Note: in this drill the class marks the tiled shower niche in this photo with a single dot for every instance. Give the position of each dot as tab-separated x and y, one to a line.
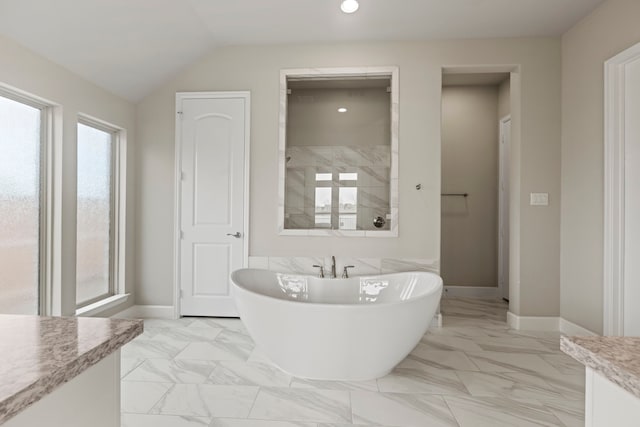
337	187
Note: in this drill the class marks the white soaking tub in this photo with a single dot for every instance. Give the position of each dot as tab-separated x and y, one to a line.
336	329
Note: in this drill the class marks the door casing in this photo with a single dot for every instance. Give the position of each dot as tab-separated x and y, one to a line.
614	190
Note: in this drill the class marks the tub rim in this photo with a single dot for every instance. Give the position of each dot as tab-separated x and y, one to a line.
431	293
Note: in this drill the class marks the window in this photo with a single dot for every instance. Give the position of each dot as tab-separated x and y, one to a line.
22	206
96	212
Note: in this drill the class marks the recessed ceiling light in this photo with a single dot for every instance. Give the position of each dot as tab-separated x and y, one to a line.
342	110
349	6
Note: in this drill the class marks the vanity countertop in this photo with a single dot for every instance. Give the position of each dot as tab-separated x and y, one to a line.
38	353
615	358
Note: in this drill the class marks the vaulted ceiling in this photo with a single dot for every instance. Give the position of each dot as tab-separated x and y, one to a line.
131	46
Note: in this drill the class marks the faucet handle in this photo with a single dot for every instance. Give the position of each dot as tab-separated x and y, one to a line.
345	272
321	267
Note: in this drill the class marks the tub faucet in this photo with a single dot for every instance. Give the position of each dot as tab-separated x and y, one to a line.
321	267
345	273
333	267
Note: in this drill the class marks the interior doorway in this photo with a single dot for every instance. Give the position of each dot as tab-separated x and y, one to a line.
622	194
476	135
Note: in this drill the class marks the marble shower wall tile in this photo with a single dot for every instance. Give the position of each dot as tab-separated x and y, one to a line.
298	265
372	164
363	266
261	262
393	265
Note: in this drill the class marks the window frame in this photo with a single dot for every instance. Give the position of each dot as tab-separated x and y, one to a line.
115	263
45	211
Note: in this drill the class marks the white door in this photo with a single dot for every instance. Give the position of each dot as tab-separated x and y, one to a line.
632	200
212	139
503	213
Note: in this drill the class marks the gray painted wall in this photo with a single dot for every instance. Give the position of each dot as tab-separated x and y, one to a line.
257	68
469	241
610	29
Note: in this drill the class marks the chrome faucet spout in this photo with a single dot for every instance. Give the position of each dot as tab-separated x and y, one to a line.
333	267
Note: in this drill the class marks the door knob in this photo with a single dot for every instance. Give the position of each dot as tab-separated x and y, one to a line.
237	234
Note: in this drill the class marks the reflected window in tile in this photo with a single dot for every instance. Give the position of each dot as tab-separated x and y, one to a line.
324	176
323	207
348	208
348	176
348	200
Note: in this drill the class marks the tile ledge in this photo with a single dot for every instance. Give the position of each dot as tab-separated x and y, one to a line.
102	305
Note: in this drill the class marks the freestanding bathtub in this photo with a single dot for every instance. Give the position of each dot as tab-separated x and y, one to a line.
336	329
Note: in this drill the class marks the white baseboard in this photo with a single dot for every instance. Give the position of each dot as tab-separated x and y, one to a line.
570	328
471	291
549	323
147	312
533	323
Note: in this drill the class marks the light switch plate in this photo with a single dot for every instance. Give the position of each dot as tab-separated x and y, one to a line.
539	199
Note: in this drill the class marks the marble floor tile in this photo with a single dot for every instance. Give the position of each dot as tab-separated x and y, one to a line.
258	356
508	385
140	397
565	364
229	422
185	371
168	323
572	386
450	343
226	323
441	359
151	349
205	400
499	412
245	373
512	345
215	351
302	405
492	361
570	412
146	420
472	372
463	331
228	336
128	364
369	385
348	425
470	321
150	333
410	378
187	334
401	410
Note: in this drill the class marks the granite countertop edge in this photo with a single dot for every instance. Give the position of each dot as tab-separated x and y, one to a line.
50	381
614	372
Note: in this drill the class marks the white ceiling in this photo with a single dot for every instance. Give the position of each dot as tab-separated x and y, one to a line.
131	46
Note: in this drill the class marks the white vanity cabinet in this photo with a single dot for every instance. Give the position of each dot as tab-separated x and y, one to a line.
61	371
607	404
612	381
